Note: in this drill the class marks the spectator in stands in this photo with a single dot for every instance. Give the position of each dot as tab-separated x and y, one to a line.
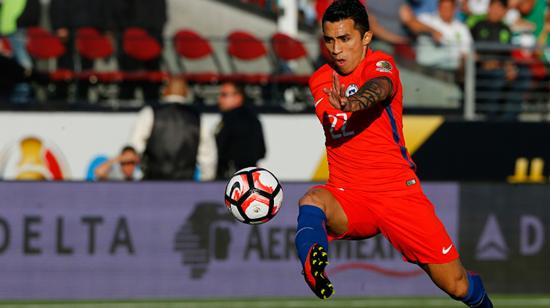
543	40
455	42
499	80
533	11
532	16
15	17
389	16
172	139
150	16
543	52
271	6
66	17
413	25
124	167
424	6
12	73
239	136
476	10
387	23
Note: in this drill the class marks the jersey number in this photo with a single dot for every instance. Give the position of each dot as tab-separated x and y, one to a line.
337	134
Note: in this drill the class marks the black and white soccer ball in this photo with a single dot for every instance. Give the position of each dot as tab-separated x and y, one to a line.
253	195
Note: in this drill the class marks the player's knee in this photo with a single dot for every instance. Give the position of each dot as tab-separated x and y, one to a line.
457	286
313	197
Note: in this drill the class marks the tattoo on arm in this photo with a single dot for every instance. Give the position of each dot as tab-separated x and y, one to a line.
372	92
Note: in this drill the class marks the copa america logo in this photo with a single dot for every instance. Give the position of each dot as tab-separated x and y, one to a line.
32	158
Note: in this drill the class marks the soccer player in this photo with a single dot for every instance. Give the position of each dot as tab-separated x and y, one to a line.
372	186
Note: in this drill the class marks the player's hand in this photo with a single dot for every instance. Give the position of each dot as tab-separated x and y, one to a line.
336	95
511	71
437	37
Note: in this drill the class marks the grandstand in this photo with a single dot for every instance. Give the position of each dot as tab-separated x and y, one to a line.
69	100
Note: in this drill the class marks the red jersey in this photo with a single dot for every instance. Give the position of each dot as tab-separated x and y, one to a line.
365	149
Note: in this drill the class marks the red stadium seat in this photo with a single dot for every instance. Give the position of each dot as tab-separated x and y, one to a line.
287	49
141	46
405	51
192	47
92	45
43	46
244	50
5	45
138	44
245	46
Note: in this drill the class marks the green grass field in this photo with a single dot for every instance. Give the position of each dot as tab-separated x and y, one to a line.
382	302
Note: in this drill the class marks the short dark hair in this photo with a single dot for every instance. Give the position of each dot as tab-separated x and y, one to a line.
501	2
239	87
344	9
128	148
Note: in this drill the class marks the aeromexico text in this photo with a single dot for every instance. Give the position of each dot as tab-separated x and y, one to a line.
277	243
34	234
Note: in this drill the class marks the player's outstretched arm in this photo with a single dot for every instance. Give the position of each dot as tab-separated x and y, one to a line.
374	91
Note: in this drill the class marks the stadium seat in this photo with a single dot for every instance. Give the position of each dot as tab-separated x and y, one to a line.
285	49
43	46
192	48
92	45
405	52
246	54
294	68
140	46
5	45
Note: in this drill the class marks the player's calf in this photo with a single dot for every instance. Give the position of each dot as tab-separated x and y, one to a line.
310	230
476	296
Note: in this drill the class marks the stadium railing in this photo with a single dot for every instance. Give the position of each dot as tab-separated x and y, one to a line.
506	82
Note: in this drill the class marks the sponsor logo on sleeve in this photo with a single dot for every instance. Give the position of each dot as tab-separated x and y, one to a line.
384	66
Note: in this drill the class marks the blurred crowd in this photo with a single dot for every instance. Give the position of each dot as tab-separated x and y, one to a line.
509	39
444	30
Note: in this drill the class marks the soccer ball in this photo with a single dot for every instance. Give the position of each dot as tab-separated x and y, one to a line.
253	195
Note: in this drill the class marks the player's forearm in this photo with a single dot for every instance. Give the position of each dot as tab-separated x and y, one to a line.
371	93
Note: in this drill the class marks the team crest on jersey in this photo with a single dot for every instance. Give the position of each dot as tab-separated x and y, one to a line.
384	66
352	89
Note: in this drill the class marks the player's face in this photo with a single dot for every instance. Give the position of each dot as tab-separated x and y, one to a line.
345	44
